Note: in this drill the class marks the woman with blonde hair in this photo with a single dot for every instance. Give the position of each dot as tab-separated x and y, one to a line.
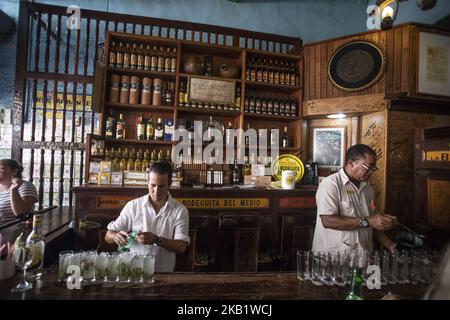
17	196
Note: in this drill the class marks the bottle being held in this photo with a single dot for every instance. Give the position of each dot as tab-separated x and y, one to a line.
356	291
35	241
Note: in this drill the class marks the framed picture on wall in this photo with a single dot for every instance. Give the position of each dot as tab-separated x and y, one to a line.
328	146
434	64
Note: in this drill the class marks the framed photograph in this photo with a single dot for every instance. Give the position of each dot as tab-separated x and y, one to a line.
434	64
328	146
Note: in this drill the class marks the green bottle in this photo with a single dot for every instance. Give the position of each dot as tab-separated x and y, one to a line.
356	292
131	240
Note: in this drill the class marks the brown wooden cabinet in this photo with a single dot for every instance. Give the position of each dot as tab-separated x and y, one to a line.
270	100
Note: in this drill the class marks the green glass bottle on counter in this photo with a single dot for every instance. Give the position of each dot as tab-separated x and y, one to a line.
35	241
356	291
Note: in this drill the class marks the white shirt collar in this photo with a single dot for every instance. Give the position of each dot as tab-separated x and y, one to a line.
345	179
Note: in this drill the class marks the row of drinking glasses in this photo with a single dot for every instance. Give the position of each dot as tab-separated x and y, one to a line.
334	268
106	267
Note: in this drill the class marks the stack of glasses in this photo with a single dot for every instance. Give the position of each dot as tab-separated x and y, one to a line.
334	268
90	267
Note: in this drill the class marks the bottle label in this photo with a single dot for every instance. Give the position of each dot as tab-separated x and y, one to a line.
147	62
158	133
157	89
112	59
173	65
140	61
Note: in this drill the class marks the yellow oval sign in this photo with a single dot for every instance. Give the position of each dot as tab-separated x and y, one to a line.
287	162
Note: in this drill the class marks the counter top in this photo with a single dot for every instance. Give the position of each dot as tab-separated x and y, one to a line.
204	286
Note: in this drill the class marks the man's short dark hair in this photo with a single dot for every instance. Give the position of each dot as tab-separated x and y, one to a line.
358	151
161	167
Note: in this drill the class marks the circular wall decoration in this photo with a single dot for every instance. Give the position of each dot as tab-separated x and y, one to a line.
356	66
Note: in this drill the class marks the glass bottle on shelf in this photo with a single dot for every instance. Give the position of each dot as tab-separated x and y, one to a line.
246	104
292	75
120	128
161	59
282	107
124	160
126	57
207	65
265	72
285	140
247	139
247	168
276	106
270	72
247	71
252	69
270	106
167	61
168	157
140	57
276	73
112	55
293	107
154	60
110	126
237	100
140	128
119	56
182	95
259	71
210	129
145	162
173	61
150	129
131	158
236	173
281	72
35	241
115	165
264	105
159	131
134	57
258	104
138	161
252	104
148	58
229	136
160	155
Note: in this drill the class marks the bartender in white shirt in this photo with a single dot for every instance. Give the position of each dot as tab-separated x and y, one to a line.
161	222
345	207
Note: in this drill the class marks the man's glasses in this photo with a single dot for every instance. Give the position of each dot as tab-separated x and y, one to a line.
373	169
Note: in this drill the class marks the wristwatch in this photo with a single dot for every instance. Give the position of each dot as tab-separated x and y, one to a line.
364	223
158	241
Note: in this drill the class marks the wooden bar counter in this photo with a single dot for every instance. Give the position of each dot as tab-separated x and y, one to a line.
232	229
203	286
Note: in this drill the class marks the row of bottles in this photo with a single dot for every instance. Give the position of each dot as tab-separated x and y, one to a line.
272	71
143	57
271	105
132	160
149	91
284	141
145	128
183	101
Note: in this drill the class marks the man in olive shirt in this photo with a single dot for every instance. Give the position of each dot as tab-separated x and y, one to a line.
345	207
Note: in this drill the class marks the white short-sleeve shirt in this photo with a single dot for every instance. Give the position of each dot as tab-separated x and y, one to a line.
338	195
172	222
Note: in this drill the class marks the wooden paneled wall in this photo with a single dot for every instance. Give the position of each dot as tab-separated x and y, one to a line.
400	159
400	46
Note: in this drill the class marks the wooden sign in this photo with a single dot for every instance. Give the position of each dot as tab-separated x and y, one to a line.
443	155
212	90
113	202
225	203
297	202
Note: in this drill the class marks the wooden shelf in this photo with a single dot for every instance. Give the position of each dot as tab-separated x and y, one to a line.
141	142
269	117
138	107
209	111
256	85
274	55
137	72
211	49
186	75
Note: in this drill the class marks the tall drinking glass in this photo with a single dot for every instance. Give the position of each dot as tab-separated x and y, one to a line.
149	269
63	263
303	265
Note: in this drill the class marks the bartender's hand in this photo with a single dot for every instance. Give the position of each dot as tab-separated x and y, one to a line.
381	221
121	238
146	237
